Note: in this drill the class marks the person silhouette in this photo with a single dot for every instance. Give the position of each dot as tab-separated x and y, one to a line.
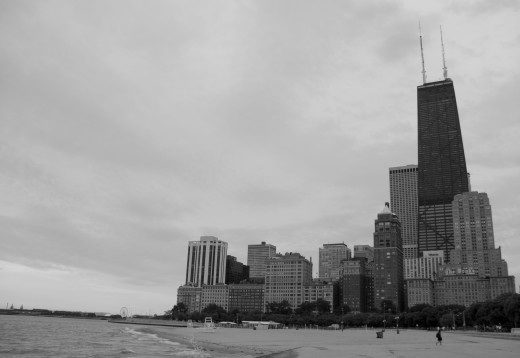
439	337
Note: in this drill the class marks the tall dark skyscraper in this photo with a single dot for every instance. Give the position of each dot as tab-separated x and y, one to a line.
442	172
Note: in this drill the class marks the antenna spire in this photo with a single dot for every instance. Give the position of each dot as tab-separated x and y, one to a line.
422	55
444	69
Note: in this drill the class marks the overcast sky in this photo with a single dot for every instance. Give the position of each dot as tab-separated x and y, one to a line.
129	128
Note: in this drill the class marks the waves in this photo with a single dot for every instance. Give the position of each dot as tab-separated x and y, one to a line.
42	337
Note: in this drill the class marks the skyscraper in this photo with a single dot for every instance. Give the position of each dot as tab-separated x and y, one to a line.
367	252
235	271
426	266
353	284
403	202
388	259
285	278
206	261
256	256
442	170
331	256
473	236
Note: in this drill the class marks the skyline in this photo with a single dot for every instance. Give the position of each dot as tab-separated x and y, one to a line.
128	131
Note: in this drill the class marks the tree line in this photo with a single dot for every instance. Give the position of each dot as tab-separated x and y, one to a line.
501	313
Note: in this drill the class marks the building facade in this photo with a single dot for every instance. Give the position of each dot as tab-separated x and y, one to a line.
442	172
206	261
354	286
388	260
331	256
246	297
191	296
215	294
256	256
236	271
460	284
474	237
364	251
420	291
319	290
367	252
403	202
426	266
285	277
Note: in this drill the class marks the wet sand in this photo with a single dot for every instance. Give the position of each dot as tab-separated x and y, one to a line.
248	343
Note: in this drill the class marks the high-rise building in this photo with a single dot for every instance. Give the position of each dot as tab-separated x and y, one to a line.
367	252
236	271
330	256
206	261
285	277
354	284
473	235
364	251
388	259
442	172
403	202
420	291
420	274
256	256
426	266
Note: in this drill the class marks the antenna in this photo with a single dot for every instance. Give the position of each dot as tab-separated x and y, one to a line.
444	69
422	55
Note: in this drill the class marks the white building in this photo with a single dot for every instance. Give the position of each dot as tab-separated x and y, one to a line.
206	261
424	267
403	202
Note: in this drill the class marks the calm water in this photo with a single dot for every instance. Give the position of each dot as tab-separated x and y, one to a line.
40	337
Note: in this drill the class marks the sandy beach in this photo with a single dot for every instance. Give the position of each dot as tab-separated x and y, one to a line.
291	343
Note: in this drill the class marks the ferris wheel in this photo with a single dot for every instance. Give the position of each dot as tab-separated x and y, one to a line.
124	312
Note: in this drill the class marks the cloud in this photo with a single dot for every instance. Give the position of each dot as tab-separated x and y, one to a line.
128	131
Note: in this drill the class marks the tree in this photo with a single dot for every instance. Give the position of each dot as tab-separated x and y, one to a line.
283	307
342	309
180	307
215	311
388	306
446	320
322	306
419	307
431	317
512	308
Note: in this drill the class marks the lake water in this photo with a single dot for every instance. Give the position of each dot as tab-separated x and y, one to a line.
40	337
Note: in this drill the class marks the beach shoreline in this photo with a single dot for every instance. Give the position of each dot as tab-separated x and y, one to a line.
307	343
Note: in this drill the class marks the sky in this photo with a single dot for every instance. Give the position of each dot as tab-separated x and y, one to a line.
129	128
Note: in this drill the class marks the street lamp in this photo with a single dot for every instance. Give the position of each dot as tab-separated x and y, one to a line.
384	316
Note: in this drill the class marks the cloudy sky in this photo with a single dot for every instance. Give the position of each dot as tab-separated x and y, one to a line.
128	128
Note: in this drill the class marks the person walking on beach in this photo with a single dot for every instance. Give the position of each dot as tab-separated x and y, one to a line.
439	337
